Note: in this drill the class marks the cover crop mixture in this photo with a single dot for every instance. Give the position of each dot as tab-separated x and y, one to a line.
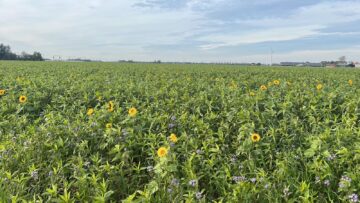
106	132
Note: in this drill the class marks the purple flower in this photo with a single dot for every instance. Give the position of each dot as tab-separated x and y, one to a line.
173	118
253	180
345	179
35	175
327	183
198	195
149	168
286	192
331	157
354	198
169	190
171	125
238	179
192	183
175	182
267	186
233	159
124	132
341	185
199	151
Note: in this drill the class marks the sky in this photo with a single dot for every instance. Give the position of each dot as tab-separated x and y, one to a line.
184	30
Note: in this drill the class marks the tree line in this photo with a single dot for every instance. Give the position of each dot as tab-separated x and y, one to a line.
7	54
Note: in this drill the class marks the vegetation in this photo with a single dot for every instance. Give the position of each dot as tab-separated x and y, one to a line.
107	132
6	54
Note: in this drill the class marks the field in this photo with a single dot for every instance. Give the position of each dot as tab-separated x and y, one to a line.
107	132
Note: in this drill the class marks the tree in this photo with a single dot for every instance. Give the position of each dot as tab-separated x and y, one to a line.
6	54
342	59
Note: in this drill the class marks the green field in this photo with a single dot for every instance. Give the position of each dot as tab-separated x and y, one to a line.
71	137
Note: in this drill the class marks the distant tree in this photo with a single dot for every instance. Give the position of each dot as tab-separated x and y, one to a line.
342	59
6	54
37	56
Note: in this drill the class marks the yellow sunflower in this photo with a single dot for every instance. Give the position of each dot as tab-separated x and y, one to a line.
350	83
110	106
252	94
22	99
90	111
132	112
2	92
319	86
173	138
263	87
108	125
162	151
276	82
255	137
233	85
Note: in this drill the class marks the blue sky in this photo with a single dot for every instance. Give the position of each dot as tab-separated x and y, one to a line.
184	30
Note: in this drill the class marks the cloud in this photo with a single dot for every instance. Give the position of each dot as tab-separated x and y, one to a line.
174	30
304	22
269	35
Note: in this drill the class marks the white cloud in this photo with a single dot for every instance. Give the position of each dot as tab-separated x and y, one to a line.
269	35
306	21
76	27
110	29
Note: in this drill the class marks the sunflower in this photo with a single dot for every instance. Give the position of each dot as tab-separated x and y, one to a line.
255	137
132	112
173	138
110	106
263	87
233	85
350	83
90	111
252	94
2	92
276	82
319	86
22	99
108	125
162	151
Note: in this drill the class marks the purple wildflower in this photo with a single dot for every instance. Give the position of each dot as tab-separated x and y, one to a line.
175	182
238	179
253	180
198	195
331	157
354	198
192	183
345	179
35	175
199	151
124	132
149	168
327	183
171	125
267	186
